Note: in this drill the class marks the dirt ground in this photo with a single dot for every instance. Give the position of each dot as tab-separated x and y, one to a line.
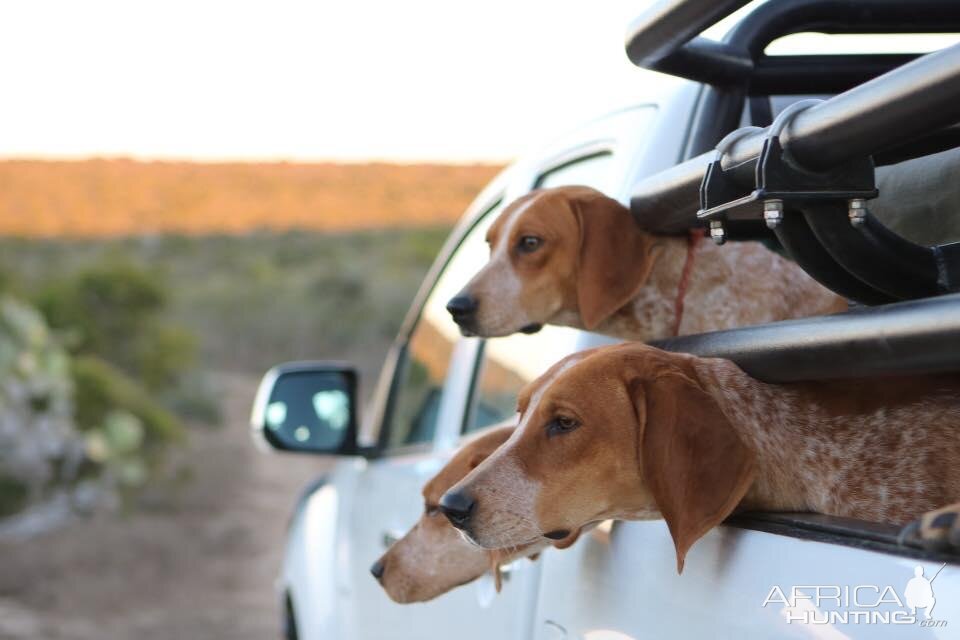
196	565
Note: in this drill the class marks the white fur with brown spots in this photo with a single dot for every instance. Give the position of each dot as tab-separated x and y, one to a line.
594	268
632	432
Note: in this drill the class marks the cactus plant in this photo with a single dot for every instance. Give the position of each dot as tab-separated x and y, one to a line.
39	447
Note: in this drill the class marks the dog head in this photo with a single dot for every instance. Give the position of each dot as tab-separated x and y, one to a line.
567	253
433	557
623	432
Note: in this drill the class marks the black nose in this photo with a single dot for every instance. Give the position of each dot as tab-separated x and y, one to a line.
457	506
462	307
376	570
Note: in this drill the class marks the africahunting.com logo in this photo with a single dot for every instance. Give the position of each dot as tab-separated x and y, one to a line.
860	604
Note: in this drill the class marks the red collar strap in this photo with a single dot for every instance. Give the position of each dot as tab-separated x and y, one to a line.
693	239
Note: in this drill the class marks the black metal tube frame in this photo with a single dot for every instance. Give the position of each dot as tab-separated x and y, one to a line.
876	255
665	38
903	104
800	243
667	28
904	338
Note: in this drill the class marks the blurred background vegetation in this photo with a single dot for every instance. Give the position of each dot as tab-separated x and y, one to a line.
145	324
140	303
131	288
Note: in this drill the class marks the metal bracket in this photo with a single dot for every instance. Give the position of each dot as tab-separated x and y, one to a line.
822	220
778	179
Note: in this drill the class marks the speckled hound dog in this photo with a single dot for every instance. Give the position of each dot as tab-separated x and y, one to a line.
635	433
572	256
433	557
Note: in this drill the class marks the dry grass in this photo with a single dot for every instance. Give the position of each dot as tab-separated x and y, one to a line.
105	198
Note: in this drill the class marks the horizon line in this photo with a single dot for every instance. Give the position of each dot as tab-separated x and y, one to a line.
213	160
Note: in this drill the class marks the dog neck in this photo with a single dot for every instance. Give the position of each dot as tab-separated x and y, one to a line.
741	283
879	450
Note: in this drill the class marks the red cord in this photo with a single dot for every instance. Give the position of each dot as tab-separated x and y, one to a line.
693	239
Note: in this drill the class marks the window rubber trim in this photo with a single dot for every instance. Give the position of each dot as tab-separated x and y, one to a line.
580	154
846	532
410	325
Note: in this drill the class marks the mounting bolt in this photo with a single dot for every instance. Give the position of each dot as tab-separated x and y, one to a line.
716	231
773	212
857	211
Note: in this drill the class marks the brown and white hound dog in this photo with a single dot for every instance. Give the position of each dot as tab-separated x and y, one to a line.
572	256
433	557
632	432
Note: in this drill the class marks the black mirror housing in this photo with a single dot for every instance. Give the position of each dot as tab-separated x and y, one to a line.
309	407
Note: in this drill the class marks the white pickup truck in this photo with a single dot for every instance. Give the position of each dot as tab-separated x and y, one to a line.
758	576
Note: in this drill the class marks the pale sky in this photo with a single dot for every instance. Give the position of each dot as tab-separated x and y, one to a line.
309	79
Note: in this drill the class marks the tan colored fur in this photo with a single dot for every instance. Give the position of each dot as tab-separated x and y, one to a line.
665	435
433	558
597	270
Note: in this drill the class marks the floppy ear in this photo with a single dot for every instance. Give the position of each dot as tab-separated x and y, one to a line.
615	257
694	463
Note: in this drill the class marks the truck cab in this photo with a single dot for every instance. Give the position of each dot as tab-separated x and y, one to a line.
758	576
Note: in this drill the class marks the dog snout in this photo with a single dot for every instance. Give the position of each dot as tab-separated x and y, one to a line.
458	507
463	308
377	569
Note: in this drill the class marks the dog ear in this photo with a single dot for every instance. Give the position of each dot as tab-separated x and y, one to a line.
615	257
694	463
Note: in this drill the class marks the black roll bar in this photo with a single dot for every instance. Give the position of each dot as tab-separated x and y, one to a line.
880	257
779	18
905	338
665	38
910	101
800	243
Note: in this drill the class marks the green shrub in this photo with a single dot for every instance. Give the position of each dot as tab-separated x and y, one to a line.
166	353
108	303
14	495
67	421
39	447
117	447
102	389
114	310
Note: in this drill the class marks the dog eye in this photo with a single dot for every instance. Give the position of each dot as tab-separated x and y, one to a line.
431	509
529	244
560	425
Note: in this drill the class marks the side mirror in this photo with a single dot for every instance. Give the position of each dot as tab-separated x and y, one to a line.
308	407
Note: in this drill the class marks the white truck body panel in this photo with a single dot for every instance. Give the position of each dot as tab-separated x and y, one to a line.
616	583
